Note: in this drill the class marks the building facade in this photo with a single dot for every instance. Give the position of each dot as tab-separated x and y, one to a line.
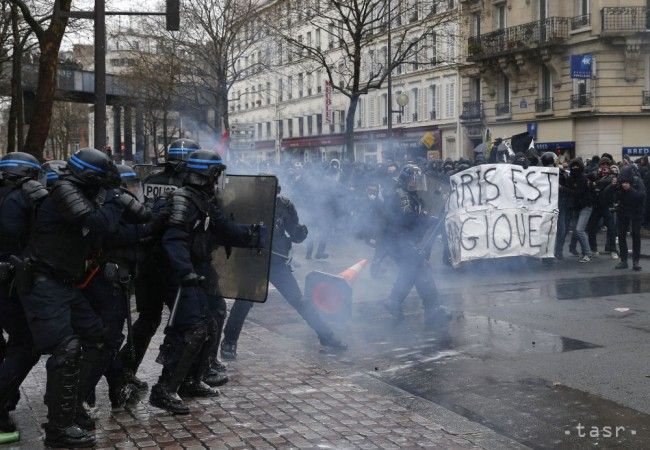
292	111
575	74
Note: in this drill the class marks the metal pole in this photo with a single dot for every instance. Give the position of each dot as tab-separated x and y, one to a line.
100	74
389	86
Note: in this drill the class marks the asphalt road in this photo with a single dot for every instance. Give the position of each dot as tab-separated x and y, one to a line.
549	356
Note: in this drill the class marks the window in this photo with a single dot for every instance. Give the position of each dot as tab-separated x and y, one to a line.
543	9
268	129
268	92
301	126
310	129
290	127
546	84
301	85
280	129
503	96
360	112
475	89
309	39
415	101
259	131
290	87
341	120
475	25
433	48
416	53
319	124
433	101
450	99
319	82
500	16
310	83
280	50
318	39
583	7
280	90
371	63
331	37
383	109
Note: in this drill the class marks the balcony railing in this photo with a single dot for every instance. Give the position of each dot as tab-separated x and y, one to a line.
415	117
646	98
580	21
625	19
472	111
581	101
540	33
543	105
503	109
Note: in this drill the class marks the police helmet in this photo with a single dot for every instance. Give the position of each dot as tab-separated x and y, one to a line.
548	159
411	178
131	181
54	170
90	167
16	166
203	167
180	149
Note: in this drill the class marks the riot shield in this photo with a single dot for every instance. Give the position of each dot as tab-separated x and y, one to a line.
244	274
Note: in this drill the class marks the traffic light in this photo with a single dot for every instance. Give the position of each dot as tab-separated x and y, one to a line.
173	11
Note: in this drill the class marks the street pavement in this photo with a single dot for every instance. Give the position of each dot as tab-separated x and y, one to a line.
534	356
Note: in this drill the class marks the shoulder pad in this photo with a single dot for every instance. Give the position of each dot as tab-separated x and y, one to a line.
72	203
34	190
180	208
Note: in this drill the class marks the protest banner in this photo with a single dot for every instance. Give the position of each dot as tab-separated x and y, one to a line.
499	210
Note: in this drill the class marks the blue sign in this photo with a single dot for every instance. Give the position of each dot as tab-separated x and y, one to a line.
636	151
552	146
582	65
532	130
523	104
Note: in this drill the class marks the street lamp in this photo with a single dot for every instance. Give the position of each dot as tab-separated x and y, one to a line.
402	101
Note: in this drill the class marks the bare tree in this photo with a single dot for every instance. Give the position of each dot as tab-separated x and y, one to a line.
68	122
48	30
352	62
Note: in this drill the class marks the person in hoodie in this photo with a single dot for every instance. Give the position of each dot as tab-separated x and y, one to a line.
604	200
631	194
583	203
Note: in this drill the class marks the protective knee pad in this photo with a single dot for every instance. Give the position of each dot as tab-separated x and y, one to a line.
66	353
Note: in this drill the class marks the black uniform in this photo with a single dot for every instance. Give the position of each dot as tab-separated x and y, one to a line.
17	204
406	225
287	230
152	283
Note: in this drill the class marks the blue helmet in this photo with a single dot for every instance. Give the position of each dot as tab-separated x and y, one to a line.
54	170
16	166
92	167
180	149
203	167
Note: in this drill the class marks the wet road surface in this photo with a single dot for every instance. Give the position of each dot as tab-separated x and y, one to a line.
497	362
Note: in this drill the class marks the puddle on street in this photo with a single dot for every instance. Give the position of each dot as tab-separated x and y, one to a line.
603	286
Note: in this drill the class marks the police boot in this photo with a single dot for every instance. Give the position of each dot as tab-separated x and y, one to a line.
7	424
62	389
140	385
229	351
119	393
94	360
84	419
216	374
197	388
332	342
162	397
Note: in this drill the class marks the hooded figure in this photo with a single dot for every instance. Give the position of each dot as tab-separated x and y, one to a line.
631	201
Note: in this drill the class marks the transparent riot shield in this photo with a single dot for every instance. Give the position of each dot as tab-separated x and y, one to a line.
244	274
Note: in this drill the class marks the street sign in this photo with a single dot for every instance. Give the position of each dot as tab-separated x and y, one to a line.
636	151
428	139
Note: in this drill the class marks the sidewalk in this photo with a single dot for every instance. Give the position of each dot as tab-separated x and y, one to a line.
277	398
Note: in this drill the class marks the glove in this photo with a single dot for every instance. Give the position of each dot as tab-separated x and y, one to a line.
134	211
301	234
192	280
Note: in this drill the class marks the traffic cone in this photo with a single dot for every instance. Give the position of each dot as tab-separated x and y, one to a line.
332	294
351	273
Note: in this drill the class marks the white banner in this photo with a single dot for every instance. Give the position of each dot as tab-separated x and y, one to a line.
498	210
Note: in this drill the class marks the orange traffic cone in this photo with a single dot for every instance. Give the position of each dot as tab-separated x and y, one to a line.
350	274
332	294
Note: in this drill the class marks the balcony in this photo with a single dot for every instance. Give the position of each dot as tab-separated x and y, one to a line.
580	22
543	105
581	101
625	20
646	98
529	36
503	109
472	111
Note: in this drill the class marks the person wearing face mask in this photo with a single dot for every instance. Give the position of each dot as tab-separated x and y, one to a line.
602	209
582	206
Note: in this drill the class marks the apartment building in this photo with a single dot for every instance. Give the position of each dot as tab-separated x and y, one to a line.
293	112
575	74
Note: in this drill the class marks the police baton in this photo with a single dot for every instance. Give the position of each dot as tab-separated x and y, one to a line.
177	299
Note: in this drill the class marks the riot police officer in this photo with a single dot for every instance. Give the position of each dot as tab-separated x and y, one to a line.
402	240
20	193
287	230
54	169
195	228
80	210
108	285
151	282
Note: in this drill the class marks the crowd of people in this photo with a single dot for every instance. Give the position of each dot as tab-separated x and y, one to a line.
78	237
